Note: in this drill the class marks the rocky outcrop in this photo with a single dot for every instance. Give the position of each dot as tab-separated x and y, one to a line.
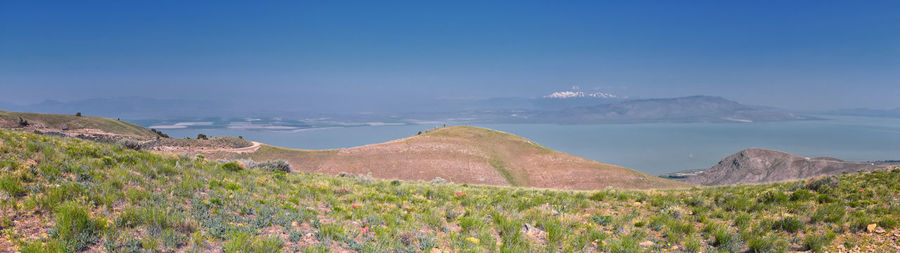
762	166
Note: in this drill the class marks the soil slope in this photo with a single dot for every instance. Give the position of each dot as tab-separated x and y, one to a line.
762	166
467	155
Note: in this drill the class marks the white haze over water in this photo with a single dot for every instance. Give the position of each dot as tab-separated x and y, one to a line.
653	148
181	125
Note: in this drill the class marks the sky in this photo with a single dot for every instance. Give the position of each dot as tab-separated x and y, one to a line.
802	55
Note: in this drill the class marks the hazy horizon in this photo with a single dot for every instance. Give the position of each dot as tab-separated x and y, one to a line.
799	55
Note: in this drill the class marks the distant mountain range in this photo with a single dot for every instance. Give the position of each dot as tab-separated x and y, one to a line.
889	113
127	107
756	165
580	94
682	109
552	101
564	107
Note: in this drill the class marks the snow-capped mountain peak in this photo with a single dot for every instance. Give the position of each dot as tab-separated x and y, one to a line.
575	93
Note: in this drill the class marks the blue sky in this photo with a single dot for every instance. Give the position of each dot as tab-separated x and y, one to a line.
316	54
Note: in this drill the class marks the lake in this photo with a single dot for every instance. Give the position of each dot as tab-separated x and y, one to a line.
653	148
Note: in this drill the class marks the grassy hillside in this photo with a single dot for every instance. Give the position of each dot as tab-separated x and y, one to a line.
68	195
58	121
468	155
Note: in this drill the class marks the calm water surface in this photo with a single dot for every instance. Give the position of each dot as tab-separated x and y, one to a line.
652	148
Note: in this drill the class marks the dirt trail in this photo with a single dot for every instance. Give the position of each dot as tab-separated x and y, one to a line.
208	150
250	149
193	146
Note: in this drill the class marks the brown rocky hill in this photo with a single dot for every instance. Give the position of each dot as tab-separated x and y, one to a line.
467	155
756	165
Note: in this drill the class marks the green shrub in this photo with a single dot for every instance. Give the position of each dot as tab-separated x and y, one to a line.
732	204
433	219
268	244
725	239
318	248
684	228
167	170
12	186
659	222
271	166
330	231
823	185
37	247
773	196
742	220
50	171
603	220
75	228
555	230
172	239
149	243
788	224
599	196
802	195
468	223
692	245
55	195
510	230
130	144
159	133
830	214
816	242
823	199
238	242
759	244
859	221
233	166
155	218
625	243
136	195
640	224
887	222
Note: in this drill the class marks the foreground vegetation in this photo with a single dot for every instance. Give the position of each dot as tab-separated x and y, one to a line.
64	195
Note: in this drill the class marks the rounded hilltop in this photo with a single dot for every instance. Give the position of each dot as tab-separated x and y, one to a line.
465	154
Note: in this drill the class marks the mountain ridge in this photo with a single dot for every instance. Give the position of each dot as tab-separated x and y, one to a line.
680	109
572	109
